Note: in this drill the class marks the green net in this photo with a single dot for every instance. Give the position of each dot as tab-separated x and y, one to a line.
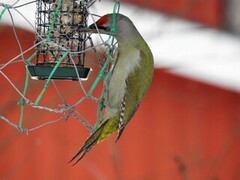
48	52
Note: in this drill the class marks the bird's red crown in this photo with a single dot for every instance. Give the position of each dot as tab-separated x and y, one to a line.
102	20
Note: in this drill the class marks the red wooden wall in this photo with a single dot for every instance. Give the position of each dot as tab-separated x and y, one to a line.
184	129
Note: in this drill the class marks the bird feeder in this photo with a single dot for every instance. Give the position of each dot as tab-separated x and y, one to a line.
60	44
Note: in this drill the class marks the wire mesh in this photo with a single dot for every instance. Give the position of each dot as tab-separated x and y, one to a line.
60	23
58	43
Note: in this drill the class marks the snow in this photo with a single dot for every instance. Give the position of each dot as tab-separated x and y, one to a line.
185	48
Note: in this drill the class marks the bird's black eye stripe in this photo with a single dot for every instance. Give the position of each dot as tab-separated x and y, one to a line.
99	27
102	27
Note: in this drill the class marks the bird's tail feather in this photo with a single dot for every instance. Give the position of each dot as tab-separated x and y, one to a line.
89	143
120	131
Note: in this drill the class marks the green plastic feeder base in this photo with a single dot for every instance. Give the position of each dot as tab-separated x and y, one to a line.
61	73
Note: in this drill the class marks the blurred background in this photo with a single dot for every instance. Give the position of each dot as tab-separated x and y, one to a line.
188	125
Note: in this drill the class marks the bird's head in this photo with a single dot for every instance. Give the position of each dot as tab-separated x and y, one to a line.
104	24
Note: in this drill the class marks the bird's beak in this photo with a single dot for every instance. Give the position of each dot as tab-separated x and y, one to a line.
88	29
92	26
91	29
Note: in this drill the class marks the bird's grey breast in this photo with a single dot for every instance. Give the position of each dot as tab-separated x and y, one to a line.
125	64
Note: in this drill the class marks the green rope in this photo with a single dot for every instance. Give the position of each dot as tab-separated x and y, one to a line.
48	38
50	76
54	16
114	16
3	11
22	102
102	98
102	74
27	62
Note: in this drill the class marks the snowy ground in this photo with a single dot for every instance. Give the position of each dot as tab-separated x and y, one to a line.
185	48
